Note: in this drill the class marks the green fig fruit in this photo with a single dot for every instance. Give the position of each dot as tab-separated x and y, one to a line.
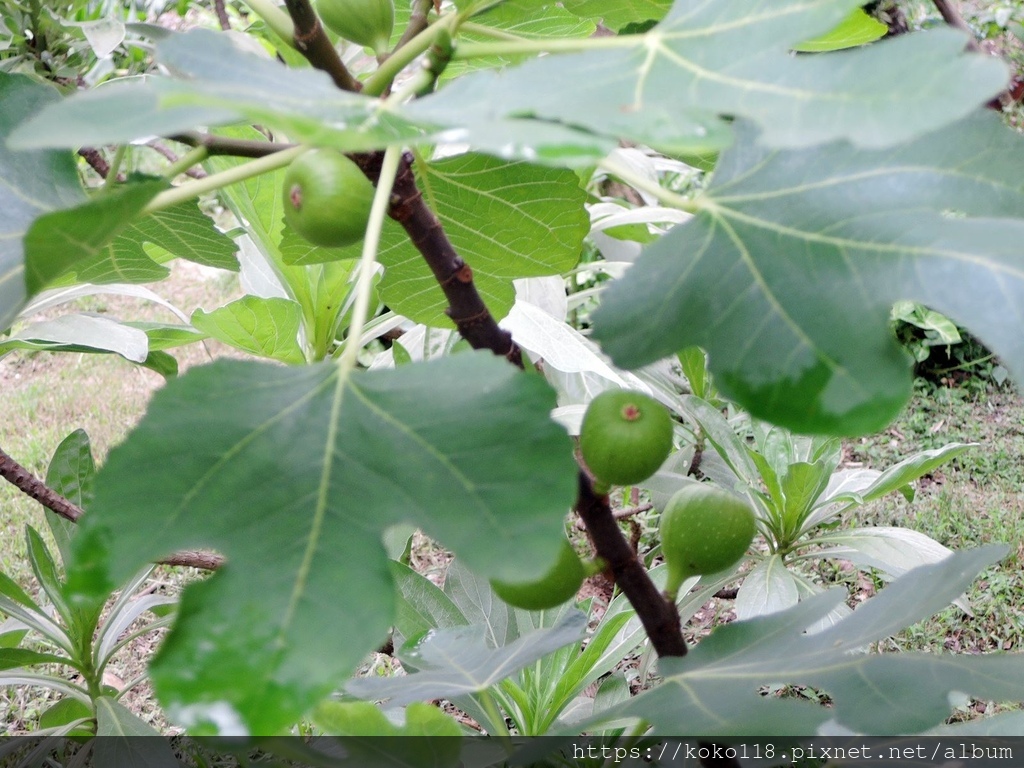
559	584
366	22
327	198
704	530
625	437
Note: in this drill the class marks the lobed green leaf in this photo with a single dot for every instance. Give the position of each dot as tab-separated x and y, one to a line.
294	474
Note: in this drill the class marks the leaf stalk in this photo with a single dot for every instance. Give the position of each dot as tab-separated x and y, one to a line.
368	259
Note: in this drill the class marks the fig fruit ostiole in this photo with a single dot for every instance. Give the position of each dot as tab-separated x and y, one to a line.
326	198
624	438
703	530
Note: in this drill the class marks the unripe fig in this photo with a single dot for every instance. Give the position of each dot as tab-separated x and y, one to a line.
559	584
366	22
625	437
704	530
327	198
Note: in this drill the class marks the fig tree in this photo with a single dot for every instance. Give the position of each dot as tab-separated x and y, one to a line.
625	437
366	22
327	198
559	584
704	530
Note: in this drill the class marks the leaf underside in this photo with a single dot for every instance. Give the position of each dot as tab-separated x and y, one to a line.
718	689
788	274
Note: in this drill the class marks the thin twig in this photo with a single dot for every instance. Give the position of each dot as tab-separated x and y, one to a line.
195	173
194	558
97	162
222	15
220	145
622	514
417	21
952	17
466	308
30	485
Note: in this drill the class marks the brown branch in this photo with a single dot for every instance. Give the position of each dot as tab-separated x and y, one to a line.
952	17
95	160
32	486
220	145
222	15
195	173
313	43
465	306
417	21
622	514
475	323
194	558
657	613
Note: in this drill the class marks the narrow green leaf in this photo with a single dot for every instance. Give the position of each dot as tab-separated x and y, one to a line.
422	605
46	574
12	658
694	364
123	739
294	474
911	468
30	614
81	333
802	485
714	690
12	632
893	551
768	588
70	474
457	662
10	589
167	336
723	438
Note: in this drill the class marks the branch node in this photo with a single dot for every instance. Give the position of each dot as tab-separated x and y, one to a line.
468	322
463	274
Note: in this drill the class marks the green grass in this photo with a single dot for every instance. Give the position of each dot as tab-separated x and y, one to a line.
973	501
48	395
